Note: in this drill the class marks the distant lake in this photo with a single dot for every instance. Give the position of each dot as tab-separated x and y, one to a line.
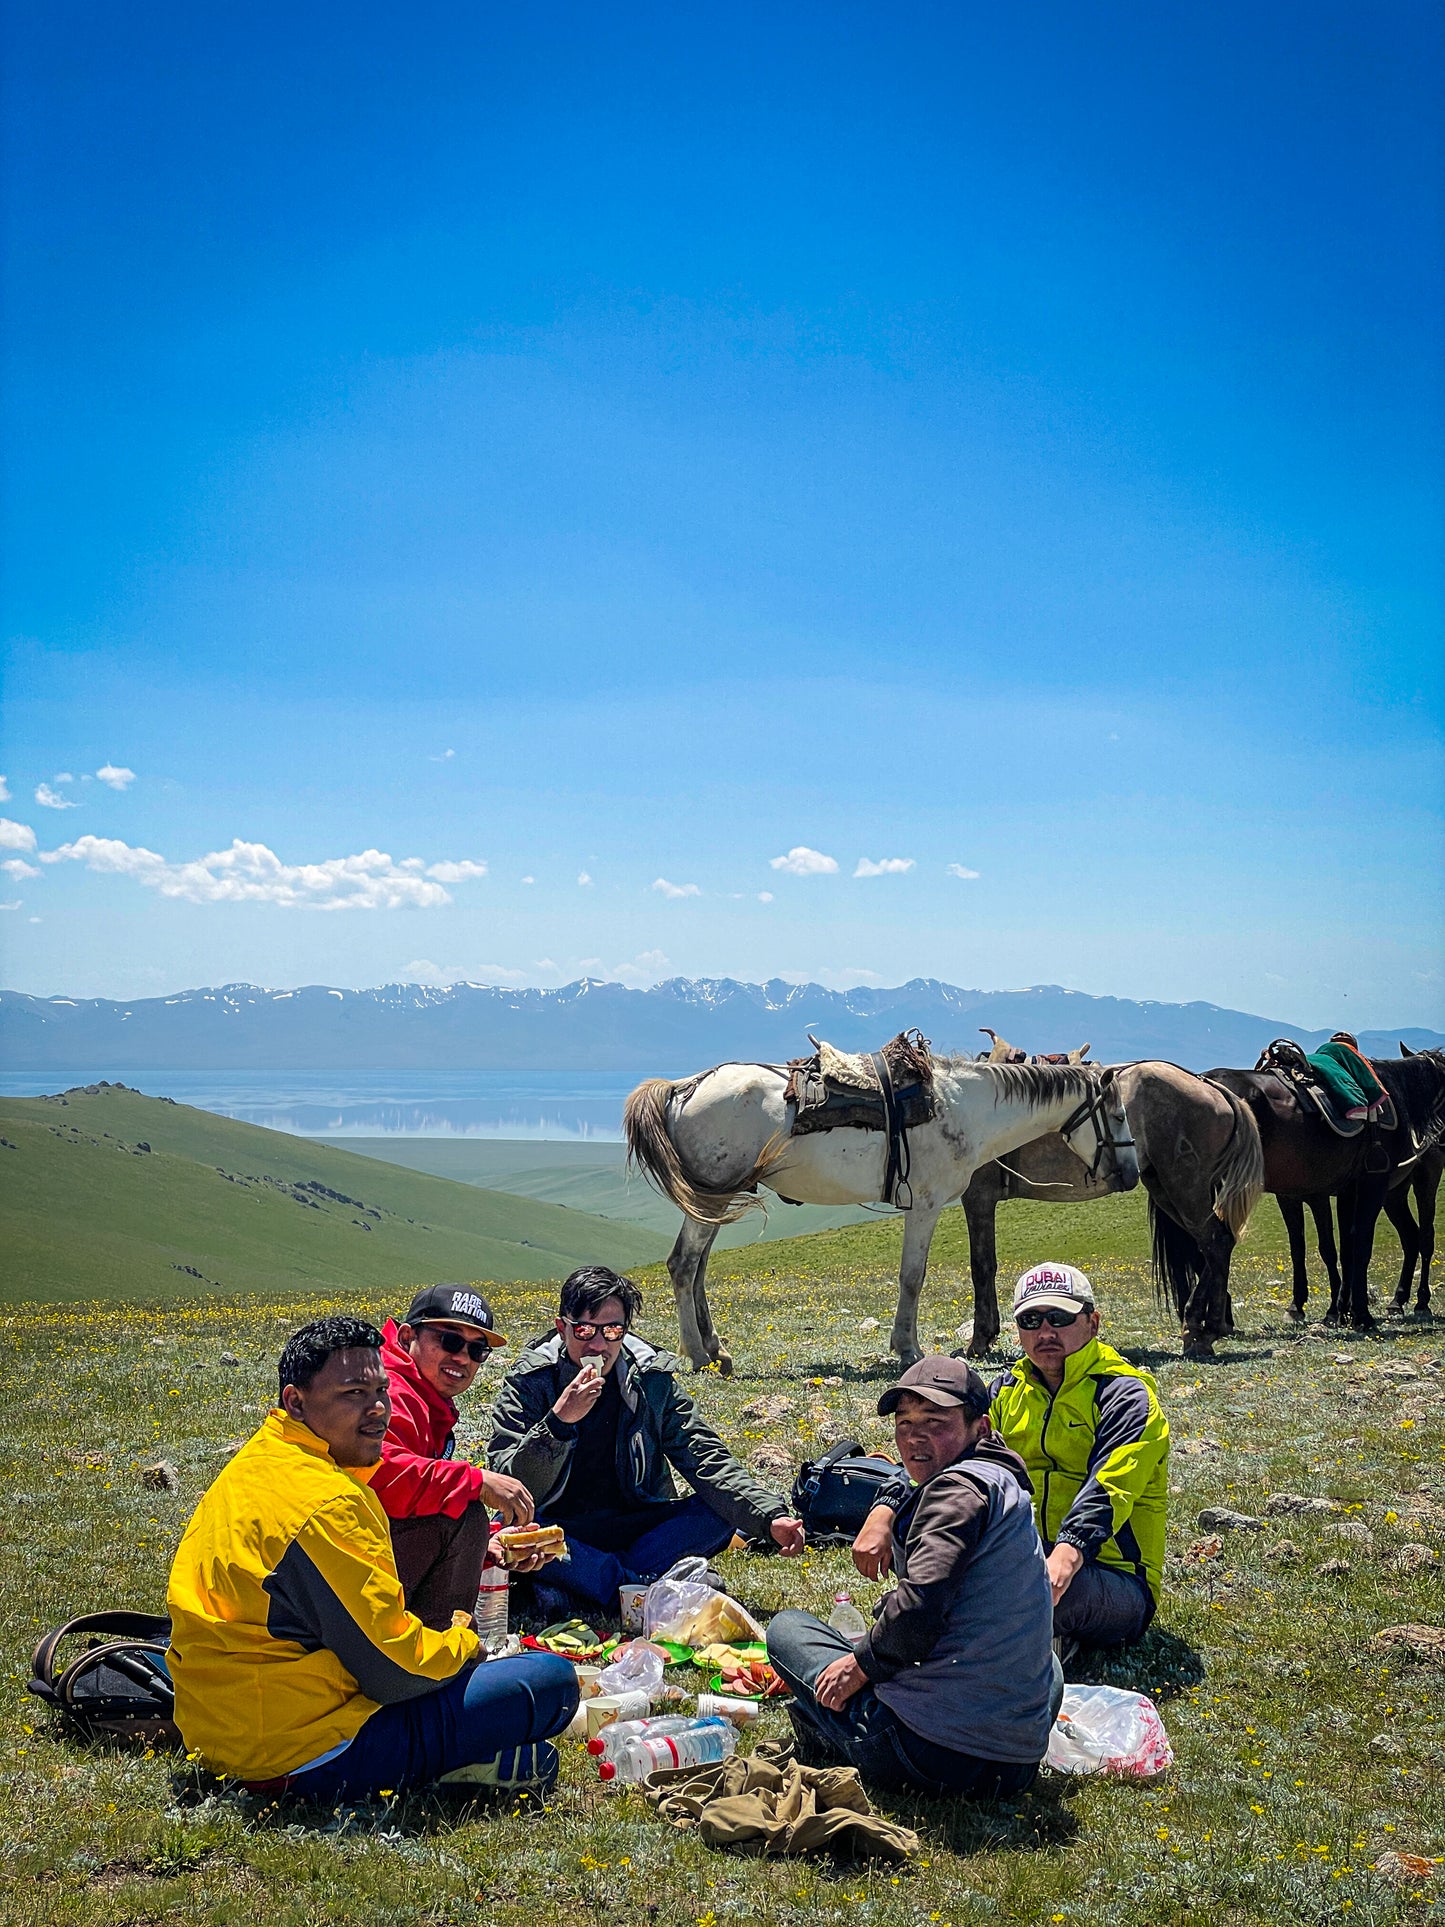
548	1106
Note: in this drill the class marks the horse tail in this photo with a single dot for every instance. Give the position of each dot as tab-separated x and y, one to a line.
1239	1181
651	1150
1178	1261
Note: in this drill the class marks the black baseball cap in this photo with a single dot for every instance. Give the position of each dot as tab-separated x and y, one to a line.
454	1305
942	1381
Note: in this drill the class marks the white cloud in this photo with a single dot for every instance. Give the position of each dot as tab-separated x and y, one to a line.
666	889
17	867
961	870
251	873
765	896
4	790
529	879
117	776
589	963
14	904
584	881
439	976
16	836
52	800
888	866
463	872
547	964
65	777
642	971
445	757
803	862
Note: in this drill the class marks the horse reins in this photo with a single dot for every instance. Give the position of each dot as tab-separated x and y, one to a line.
1094	1111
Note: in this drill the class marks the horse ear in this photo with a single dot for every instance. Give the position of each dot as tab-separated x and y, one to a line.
1405	1050
1078	1056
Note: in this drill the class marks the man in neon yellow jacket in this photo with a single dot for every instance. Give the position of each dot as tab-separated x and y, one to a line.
296	1664
1090	1429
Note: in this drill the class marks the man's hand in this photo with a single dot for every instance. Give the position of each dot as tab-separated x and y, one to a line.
788	1536
839	1682
509	1497
1062	1563
580	1396
873	1548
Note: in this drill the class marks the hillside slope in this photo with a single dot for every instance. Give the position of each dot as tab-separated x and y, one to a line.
216	1205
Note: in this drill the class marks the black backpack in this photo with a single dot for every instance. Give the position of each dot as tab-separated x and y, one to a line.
833	1495
118	1684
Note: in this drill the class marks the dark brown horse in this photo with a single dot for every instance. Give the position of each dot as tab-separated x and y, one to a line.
1416	1229
1304	1158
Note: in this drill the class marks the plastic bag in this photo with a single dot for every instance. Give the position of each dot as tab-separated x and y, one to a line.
636	1669
679	1607
1103	1729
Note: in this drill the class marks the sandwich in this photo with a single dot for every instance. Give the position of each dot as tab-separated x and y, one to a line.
522	1542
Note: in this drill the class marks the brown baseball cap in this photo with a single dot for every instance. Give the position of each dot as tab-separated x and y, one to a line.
942	1381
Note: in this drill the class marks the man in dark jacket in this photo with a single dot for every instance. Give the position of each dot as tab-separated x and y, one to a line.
437	1504
954	1687
593	1423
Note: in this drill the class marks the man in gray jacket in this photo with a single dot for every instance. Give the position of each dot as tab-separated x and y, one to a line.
594	1424
954	1687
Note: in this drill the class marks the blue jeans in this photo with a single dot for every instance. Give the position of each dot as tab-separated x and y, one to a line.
865	1733
482	1712
616	1549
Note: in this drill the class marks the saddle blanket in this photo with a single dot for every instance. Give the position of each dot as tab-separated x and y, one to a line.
837	1090
1304	1086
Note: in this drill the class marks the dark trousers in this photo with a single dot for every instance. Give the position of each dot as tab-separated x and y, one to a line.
484	1711
439	1562
1103	1607
865	1733
608	1550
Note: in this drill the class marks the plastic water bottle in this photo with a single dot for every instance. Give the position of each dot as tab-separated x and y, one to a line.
607	1744
697	1744
845	1617
493	1602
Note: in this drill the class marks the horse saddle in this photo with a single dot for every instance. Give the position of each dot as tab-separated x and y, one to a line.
837	1090
1001	1051
1296	1087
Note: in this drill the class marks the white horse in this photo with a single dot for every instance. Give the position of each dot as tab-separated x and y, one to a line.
709	1141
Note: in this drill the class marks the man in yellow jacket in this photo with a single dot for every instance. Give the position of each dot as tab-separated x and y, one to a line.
1090	1429
296	1664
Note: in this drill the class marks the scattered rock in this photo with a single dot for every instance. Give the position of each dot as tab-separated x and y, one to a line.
1343	1358
1413	1557
1355	1530
1183	1391
867	1324
1203	1549
767	1411
1420	1642
1222	1518
160	1477
1280	1503
1334	1569
775	1460
941	1338
1199	1448
830	1381
1400	1371
1285	1550
964	1333
1386	1747
228	1358
1405	1868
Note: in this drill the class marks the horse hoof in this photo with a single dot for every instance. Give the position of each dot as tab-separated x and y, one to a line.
1296	1314
1198	1348
1394	1310
909	1357
724	1363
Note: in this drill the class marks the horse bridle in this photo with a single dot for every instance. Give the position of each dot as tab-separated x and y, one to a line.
1095	1111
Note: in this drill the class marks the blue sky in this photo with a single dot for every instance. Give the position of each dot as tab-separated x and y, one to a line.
639	443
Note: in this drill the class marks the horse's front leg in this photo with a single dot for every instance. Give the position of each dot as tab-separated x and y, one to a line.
1359	1211
918	1227
1207	1314
1397	1210
1323	1212
980	1203
685	1264
1293	1213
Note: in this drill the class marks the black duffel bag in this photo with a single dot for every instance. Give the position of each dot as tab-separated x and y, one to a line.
118	1685
833	1495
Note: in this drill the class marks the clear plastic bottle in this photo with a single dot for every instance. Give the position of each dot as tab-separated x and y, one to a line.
845	1617
607	1744
699	1743
493	1603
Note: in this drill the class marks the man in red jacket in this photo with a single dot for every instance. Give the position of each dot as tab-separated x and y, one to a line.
437	1503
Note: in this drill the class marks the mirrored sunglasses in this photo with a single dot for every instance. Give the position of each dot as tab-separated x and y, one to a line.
612	1333
476	1349
1029	1321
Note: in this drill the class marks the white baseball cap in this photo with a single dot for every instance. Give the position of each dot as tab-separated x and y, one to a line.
1064	1286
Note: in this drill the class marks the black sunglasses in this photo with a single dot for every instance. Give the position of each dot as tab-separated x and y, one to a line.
476	1349
612	1333
1029	1321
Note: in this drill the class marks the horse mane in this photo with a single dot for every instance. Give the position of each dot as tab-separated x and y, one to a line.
1417	1083
1037	1084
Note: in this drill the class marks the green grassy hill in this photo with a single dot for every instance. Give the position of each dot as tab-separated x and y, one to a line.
592	1177
212	1205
